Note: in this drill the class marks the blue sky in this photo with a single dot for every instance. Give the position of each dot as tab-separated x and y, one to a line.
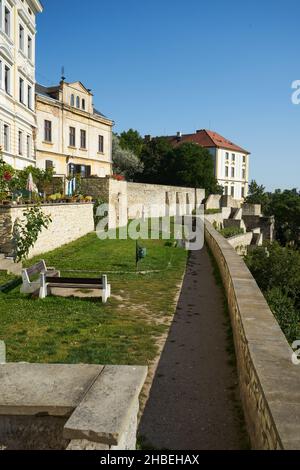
167	66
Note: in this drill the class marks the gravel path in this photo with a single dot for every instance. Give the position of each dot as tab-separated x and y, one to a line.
193	402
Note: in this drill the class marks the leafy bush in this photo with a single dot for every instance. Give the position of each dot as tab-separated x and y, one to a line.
27	230
284	311
229	232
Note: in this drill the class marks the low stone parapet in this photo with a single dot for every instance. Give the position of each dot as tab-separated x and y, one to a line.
65	407
269	381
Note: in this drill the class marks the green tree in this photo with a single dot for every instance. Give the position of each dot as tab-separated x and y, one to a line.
285	206
133	141
156	155
257	195
192	166
125	162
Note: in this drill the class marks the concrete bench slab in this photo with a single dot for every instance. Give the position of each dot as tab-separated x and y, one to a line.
33	389
115	393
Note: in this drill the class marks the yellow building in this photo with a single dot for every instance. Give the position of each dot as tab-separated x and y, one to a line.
72	136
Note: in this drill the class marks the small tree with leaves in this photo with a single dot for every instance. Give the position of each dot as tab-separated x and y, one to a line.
27	231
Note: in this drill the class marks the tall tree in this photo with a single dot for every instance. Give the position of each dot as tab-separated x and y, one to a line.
192	166
125	162
133	141
155	156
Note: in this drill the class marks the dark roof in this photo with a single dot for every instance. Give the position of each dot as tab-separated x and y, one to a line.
207	139
52	92
47	91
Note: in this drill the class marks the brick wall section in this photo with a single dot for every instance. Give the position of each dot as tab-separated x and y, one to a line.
269	382
69	222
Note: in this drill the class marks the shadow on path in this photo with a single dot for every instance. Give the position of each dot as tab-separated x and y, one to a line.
193	401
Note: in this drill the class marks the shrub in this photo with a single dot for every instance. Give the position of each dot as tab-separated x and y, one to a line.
229	232
27	230
284	311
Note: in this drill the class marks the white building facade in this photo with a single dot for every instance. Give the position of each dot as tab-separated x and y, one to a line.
17	80
232	162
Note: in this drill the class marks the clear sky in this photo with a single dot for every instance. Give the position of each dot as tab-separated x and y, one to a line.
162	66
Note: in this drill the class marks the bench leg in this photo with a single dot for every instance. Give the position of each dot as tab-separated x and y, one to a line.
44	287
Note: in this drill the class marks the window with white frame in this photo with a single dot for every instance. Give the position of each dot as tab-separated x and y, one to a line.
244	174
226	171
29	47
29	97
233	157
243	192
21	37
232	172
21	90
28	146
20	143
6	134
7	79
101	144
78	102
7	21
232	191
72	137
83	139
72	100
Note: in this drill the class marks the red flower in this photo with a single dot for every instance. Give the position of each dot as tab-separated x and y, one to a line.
7	176
119	177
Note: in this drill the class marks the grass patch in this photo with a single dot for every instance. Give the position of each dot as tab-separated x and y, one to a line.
124	331
5	278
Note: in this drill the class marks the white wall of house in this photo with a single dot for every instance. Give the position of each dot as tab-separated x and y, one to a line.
232	172
17	80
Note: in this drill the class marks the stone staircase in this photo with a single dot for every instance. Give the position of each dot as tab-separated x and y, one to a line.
8	265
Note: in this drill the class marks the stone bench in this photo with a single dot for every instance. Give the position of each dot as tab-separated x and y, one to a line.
69	406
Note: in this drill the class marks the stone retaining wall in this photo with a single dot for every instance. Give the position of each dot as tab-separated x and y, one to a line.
269	382
69	222
137	200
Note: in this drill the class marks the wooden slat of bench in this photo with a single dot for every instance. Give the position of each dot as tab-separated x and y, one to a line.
75	286
71	280
35	269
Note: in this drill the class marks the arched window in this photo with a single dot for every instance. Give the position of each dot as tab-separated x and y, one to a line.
72	100
83	105
78	102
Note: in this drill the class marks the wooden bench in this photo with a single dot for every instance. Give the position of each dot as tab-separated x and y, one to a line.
47	283
30	286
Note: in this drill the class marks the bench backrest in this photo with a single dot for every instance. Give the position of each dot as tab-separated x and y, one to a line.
35	269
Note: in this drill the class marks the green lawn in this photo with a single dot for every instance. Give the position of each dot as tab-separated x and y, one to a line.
124	331
5	278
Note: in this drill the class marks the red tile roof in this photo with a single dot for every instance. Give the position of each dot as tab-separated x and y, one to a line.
208	139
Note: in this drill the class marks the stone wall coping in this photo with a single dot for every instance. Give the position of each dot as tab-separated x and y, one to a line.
31	389
55	204
117	390
269	351
98	400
